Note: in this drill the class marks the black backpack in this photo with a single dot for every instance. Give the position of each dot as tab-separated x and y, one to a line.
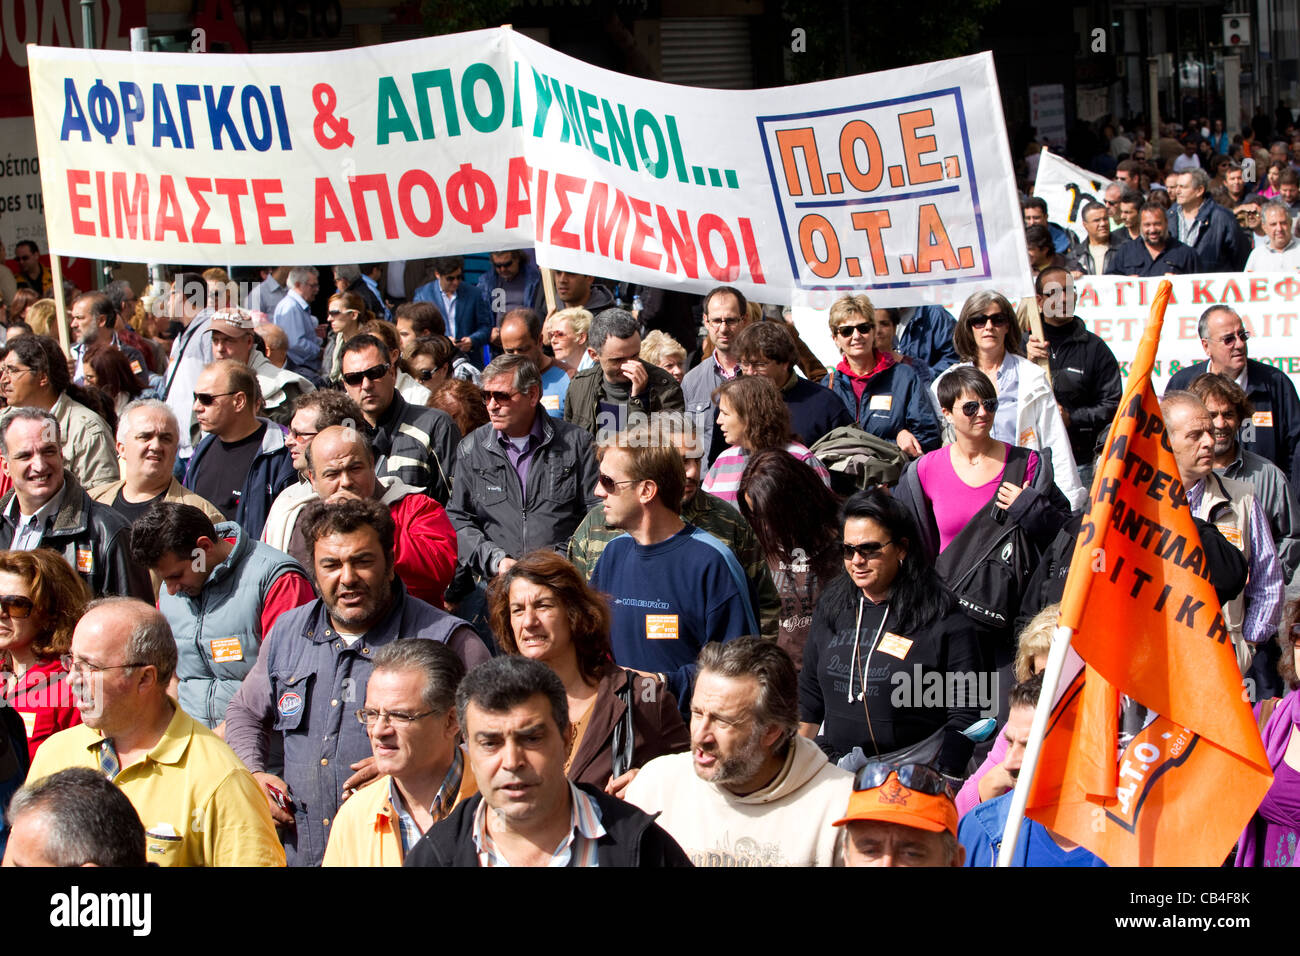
989	563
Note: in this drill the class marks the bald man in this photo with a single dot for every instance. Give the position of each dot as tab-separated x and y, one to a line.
521	334
200	806
341	465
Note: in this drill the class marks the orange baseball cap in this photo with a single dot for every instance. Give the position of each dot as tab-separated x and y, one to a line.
891	802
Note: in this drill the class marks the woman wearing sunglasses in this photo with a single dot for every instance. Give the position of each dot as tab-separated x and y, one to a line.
41	598
887	640
752	417
884	396
541	608
988	337
347	312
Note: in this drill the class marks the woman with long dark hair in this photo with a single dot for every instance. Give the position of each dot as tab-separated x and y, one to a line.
888	644
796	520
542	608
109	370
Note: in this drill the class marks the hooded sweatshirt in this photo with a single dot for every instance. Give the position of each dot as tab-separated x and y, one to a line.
787	823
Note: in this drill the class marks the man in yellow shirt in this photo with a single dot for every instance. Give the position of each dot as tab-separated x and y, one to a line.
410	717
200	806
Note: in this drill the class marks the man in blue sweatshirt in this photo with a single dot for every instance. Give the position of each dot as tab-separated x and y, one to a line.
672	587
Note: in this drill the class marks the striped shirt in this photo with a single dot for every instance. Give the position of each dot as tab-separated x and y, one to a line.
578	848
408	830
723	479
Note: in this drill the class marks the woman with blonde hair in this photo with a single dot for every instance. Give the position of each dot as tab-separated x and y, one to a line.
566	331
41	600
660	348
40	316
886	397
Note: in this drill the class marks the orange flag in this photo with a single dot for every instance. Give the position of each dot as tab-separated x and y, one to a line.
1147	624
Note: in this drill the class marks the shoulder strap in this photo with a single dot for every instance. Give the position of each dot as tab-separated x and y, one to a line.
1266	712
985	531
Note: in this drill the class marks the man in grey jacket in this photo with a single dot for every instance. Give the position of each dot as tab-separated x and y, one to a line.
523	481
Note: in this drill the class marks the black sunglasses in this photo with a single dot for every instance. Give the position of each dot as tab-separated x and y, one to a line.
374	373
914	776
862	328
999	321
866	550
207	398
427	373
16	606
971	409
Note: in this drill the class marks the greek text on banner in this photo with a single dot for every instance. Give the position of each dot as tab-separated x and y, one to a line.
897	183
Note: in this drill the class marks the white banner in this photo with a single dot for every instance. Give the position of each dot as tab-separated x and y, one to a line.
897	183
1116	308
1066	188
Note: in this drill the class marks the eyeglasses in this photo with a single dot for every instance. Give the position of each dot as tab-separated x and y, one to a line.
863	328
207	398
971	409
301	436
754	368
425	374
398	719
1232	337
374	373
16	606
75	665
913	776
999	320
610	485
456	278
13	369
730	322
501	398
334	312
866	550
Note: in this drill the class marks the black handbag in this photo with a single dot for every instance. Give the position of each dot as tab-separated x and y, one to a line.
625	730
989	563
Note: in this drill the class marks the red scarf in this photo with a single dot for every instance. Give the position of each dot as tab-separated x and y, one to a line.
884	360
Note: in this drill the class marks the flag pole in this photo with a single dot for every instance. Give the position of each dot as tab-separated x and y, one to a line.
1056	658
1062	636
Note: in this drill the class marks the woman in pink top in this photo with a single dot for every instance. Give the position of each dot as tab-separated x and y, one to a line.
753	417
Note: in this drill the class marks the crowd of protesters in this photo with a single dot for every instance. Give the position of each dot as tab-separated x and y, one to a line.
321	567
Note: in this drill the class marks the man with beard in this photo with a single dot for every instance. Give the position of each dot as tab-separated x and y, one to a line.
315	665
751	791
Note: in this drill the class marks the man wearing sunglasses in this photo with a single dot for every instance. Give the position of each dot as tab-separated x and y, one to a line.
243	463
524	480
47	508
469	320
412	443
521	334
900	816
233	338
1273	432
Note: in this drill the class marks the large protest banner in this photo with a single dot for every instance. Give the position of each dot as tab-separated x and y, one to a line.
898	182
1146	623
1114	307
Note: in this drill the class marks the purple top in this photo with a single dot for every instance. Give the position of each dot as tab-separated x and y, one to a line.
1270	837
954	502
969	795
523	459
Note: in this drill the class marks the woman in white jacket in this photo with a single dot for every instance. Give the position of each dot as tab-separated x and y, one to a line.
988	337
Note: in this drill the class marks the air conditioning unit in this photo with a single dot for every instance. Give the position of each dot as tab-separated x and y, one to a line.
1236	29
